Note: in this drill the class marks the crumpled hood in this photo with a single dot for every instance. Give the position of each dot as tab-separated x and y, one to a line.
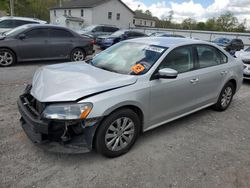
71	81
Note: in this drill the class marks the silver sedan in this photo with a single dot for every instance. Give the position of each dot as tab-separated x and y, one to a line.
132	87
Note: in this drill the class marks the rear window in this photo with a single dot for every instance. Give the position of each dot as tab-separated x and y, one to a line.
7	24
60	33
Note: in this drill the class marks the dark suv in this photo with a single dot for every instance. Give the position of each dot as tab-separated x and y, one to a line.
230	44
98	30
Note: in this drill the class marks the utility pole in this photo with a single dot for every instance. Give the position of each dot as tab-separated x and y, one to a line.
12	7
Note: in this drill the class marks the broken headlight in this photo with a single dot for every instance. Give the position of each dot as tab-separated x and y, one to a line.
67	111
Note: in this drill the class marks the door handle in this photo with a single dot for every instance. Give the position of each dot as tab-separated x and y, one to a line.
193	81
224	73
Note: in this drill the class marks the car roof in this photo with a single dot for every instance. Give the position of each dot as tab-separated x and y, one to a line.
46	25
23	18
168	42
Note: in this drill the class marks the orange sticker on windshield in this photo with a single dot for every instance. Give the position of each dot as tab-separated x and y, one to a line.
138	68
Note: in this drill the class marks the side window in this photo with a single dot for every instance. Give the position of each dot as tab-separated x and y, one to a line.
209	56
114	29
7	24
98	29
179	59
22	22
37	33
60	33
108	29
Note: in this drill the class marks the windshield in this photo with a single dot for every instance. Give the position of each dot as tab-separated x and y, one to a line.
128	58
17	30
117	34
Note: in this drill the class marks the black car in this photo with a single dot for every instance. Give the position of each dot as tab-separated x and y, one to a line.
43	42
98	30
230	44
165	34
107	41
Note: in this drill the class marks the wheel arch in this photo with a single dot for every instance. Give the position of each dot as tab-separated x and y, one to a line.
134	108
8	48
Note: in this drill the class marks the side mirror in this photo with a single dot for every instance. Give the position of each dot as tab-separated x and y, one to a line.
167	73
22	36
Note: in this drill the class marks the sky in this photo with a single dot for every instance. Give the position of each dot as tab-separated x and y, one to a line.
200	10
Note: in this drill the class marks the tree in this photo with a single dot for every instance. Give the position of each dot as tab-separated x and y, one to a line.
148	12
170	16
227	22
188	23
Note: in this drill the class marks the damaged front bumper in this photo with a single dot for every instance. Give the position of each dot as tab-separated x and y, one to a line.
55	136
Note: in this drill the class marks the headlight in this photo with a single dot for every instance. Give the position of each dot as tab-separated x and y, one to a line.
67	111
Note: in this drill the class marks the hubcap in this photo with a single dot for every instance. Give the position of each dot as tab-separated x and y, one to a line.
119	134
226	97
78	56
6	58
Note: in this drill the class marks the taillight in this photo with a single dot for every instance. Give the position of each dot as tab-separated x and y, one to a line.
93	42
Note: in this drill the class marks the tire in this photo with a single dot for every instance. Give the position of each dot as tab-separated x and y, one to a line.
225	97
112	142
7	57
77	55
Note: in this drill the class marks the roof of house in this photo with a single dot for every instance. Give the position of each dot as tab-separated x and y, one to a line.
85	4
141	15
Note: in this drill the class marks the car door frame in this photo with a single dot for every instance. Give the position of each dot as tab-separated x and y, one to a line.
185	80
39	44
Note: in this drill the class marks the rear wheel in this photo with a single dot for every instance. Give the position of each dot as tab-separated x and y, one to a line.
77	55
225	97
117	133
7	57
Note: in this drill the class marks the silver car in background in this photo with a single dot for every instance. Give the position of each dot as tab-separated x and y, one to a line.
132	87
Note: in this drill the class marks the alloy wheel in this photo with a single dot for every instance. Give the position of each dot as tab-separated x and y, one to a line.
120	134
6	58
78	55
226	97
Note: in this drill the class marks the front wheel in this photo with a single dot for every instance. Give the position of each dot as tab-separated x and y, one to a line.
77	55
117	133
225	97
7	58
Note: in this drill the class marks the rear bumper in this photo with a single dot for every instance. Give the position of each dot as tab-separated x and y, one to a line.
43	133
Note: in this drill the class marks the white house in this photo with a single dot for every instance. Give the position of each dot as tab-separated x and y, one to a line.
143	20
80	13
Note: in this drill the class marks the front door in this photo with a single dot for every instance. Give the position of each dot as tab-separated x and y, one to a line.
35	45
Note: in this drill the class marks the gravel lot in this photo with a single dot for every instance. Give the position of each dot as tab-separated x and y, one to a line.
206	149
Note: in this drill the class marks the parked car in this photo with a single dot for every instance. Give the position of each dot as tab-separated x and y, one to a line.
164	34
132	87
43	42
107	41
7	23
244	56
229	44
98	30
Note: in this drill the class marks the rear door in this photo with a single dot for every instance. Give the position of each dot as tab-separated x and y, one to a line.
61	42
35	45
212	73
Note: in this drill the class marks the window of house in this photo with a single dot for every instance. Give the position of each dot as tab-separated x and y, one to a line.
65	12
54	12
151	24
82	13
134	21
118	16
109	15
69	12
140	22
145	23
